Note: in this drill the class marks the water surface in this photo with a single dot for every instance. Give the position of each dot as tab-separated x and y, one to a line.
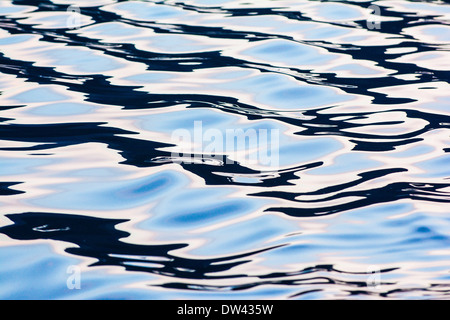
91	93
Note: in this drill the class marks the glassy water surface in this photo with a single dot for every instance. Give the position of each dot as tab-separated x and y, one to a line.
94	205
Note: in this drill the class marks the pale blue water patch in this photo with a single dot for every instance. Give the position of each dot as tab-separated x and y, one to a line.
438	167
85	3
145	78
257	293
42	94
280	92
33	270
207	215
439	33
82	60
7	8
294	253
94	174
45	274
208	129
287	52
423	230
113	32
307	150
421	7
358	235
322	31
411	151
115	29
145	11
15	39
347	163
216	206
22	166
99	193
232	74
55	20
368	235
338	11
440	104
208	3
192	120
356	69
63	109
262	230
303	97
175	43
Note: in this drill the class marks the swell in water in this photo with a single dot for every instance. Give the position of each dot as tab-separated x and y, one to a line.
92	91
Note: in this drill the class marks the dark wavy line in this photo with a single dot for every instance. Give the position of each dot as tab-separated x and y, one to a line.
98	238
389	193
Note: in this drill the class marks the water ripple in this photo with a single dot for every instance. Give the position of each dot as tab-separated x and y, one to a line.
92	178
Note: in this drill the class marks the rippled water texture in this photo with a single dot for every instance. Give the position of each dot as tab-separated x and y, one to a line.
95	206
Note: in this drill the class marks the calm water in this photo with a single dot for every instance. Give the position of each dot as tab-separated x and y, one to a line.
94	205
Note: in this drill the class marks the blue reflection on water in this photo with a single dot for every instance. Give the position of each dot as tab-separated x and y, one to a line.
89	175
